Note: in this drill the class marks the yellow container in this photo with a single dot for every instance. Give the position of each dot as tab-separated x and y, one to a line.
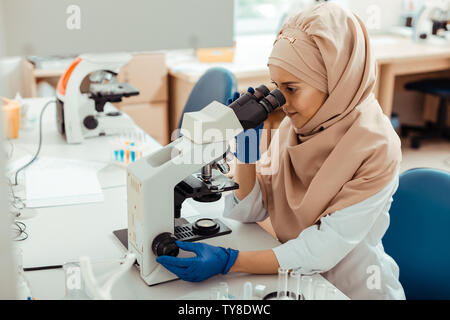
11	118
225	54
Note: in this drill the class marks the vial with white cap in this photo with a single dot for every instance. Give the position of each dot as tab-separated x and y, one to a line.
260	291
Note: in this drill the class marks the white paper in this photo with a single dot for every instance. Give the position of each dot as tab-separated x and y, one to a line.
58	182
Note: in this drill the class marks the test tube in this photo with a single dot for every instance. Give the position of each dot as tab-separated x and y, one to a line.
223	288
307	287
214	294
247	291
282	292
294	285
320	290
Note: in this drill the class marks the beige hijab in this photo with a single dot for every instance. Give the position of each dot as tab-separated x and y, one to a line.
348	151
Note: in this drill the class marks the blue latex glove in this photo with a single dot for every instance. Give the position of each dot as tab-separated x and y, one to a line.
247	142
210	260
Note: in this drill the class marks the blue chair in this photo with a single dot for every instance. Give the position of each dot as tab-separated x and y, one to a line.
439	87
216	84
418	237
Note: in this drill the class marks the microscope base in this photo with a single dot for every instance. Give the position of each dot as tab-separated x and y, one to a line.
184	232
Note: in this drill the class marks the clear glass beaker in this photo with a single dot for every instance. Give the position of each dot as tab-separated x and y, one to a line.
320	290
307	287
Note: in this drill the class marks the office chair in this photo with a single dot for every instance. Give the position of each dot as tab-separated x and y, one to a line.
215	84
438	87
418	237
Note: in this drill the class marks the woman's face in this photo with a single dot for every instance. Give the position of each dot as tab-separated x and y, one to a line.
302	100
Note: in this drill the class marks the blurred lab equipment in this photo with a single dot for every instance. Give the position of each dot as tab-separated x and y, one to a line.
247	291
74	284
295	284
127	147
260	291
432	21
223	289
84	95
8	265
95	287
11	117
192	166
419	233
23	287
282	291
320	290
307	285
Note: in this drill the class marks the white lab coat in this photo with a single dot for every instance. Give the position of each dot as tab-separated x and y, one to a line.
345	247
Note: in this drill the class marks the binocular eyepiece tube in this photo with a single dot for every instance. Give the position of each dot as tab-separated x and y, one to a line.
253	108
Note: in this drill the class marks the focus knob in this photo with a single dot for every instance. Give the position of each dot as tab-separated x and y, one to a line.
164	245
90	122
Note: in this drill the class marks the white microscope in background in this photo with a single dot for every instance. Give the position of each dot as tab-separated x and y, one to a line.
193	166
84	96
432	22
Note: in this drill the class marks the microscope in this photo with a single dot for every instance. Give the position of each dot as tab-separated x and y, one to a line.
432	22
84	96
192	166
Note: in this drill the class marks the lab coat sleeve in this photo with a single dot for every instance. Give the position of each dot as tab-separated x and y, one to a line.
249	209
320	247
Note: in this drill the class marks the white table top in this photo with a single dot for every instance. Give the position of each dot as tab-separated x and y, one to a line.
62	234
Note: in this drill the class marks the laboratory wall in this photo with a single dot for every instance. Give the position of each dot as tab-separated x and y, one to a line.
48	27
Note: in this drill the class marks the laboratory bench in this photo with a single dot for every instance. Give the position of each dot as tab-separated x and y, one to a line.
399	60
61	234
166	78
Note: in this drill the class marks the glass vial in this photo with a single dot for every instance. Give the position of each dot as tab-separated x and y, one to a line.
282	292
294	285
307	287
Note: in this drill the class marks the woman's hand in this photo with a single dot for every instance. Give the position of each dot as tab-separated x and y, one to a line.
247	142
210	260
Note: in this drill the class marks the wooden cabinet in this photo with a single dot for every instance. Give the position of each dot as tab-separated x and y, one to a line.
149	110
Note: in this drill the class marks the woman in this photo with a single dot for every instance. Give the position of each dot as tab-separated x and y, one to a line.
328	177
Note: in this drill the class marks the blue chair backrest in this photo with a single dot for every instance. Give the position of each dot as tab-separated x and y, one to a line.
216	84
418	237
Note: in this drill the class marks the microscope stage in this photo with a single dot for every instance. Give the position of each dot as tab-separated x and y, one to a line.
184	231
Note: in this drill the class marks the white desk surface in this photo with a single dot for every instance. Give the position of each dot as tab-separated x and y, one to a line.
61	234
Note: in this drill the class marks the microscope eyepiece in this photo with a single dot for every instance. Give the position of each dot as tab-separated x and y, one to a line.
261	92
273	100
253	108
276	96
